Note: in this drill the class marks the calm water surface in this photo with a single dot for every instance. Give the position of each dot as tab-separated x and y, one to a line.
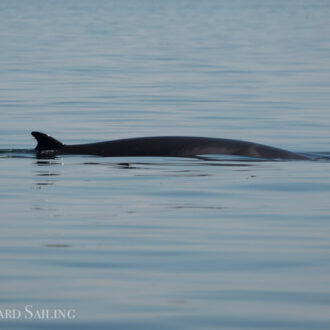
165	243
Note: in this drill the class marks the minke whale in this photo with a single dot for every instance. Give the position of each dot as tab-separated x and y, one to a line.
162	146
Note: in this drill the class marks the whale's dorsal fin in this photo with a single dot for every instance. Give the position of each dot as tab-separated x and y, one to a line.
46	142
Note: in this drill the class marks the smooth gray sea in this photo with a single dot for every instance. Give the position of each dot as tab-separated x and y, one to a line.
165	243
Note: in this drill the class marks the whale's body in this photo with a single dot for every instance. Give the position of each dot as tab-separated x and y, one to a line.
165	146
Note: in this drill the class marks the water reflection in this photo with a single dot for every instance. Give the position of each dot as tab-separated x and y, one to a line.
46	171
48	162
194	206
57	245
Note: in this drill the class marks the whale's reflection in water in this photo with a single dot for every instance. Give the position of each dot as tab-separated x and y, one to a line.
46	171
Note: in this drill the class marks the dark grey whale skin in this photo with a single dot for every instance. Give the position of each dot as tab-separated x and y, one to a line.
163	146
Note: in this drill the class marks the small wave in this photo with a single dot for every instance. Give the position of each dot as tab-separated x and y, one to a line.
17	153
312	156
30	153
318	156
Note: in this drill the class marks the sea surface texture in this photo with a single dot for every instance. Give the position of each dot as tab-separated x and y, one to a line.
222	242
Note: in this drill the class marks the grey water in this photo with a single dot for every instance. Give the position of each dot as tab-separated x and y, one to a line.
165	243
